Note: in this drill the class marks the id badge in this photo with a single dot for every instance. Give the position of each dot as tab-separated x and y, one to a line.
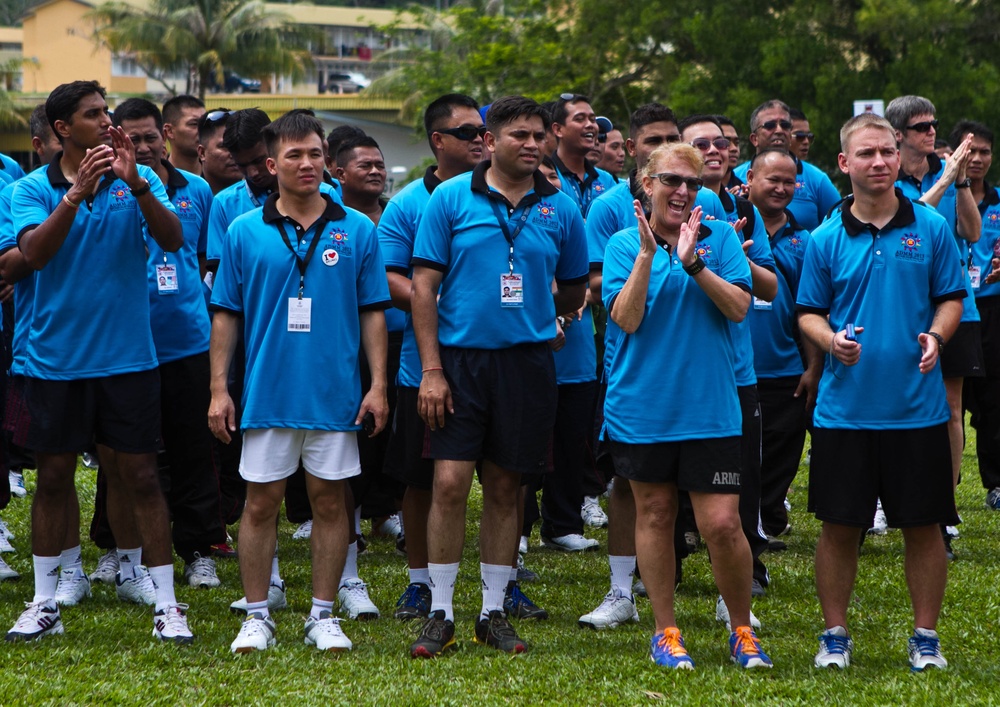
759	303
300	314
974	275
511	290
166	279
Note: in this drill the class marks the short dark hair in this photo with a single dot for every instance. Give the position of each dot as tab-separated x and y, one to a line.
773	103
173	108
341	134
964	127
725	120
690	120
796	114
137	109
207	128
648	114
244	129
771	151
441	108
295	125
547	161
559	113
348	146
38	123
509	108
65	99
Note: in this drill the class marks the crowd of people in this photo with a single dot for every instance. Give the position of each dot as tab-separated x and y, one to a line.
664	337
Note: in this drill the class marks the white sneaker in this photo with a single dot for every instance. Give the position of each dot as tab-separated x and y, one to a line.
880	526
5	531
355	602
107	568
570	543
522	545
615	610
276	600
201	572
592	513
17	484
389	528
304	531
925	651
73	586
138	588
5	545
722	616
90	460
835	648
325	633
952	531
36	621
171	624
256	634
7	572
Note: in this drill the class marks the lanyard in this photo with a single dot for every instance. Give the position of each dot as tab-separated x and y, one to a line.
253	198
300	262
583	193
505	227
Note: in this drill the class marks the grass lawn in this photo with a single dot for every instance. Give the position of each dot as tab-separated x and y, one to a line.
107	655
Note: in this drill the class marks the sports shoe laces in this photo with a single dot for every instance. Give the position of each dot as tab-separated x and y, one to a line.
411	597
434	629
500	626
746	642
35	615
519	597
174	619
358	589
670	641
835	644
255	625
329	625
203	566
927	645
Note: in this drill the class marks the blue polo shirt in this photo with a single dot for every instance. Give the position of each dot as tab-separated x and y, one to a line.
179	319
988	245
10	170
772	324
91	315
576	361
301	380
460	235
24	289
397	229
595	184
815	193
889	281
674	378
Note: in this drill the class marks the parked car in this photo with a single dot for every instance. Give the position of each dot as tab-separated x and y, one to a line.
234	83
345	82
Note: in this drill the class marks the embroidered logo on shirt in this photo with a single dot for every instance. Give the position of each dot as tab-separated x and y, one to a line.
911	243
546	210
121	198
795	243
339	240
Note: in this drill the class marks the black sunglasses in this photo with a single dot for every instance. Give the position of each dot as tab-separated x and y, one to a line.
923	126
218	116
668	179
465	132
772	124
802	135
704	144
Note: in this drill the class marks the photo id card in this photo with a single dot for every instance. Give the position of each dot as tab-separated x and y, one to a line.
975	275
300	314
759	303
511	290
166	279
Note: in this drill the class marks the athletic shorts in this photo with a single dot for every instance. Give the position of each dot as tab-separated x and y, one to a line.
963	356
407	457
910	470
698	465
121	412
505	407
274	454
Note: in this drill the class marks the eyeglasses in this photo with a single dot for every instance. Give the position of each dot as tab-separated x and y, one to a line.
704	144
923	126
772	124
669	179
803	135
218	116
465	132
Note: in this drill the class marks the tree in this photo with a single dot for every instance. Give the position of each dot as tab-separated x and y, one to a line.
204	37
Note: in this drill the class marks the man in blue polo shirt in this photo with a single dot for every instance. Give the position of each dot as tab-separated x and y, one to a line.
815	194
881	291
488	391
308	301
575	126
103	387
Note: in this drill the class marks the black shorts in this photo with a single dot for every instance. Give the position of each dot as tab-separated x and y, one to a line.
407	458
16	418
910	470
963	356
121	412
699	465
505	407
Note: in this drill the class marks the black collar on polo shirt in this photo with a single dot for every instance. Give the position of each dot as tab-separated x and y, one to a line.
990	198
589	169
933	167
332	212
431	181
904	217
543	187
58	179
175	180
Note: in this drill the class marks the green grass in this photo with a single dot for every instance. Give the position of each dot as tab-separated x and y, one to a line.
108	656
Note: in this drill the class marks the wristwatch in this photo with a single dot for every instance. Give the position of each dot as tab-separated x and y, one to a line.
938	338
964	184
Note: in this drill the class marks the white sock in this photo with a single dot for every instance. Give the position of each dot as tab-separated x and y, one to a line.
402	528
275	573
513	574
319	606
46	577
494	587
622	569
420	575
357	520
350	564
128	559
442	582
259	607
163	582
71	559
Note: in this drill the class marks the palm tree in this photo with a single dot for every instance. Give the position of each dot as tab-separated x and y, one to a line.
203	37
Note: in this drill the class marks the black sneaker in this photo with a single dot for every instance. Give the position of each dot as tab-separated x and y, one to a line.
415	602
518	606
436	636
497	632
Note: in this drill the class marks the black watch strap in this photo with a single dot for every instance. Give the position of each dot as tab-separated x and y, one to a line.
939	338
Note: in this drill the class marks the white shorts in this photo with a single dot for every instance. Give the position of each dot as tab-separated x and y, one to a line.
274	454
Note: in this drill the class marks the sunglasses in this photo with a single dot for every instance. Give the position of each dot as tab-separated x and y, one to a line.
465	132
923	126
772	124
669	179
802	135
704	144
218	116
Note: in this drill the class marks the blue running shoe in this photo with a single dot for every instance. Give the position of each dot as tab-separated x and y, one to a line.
518	606
835	648
667	649
925	651
744	647
415	602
